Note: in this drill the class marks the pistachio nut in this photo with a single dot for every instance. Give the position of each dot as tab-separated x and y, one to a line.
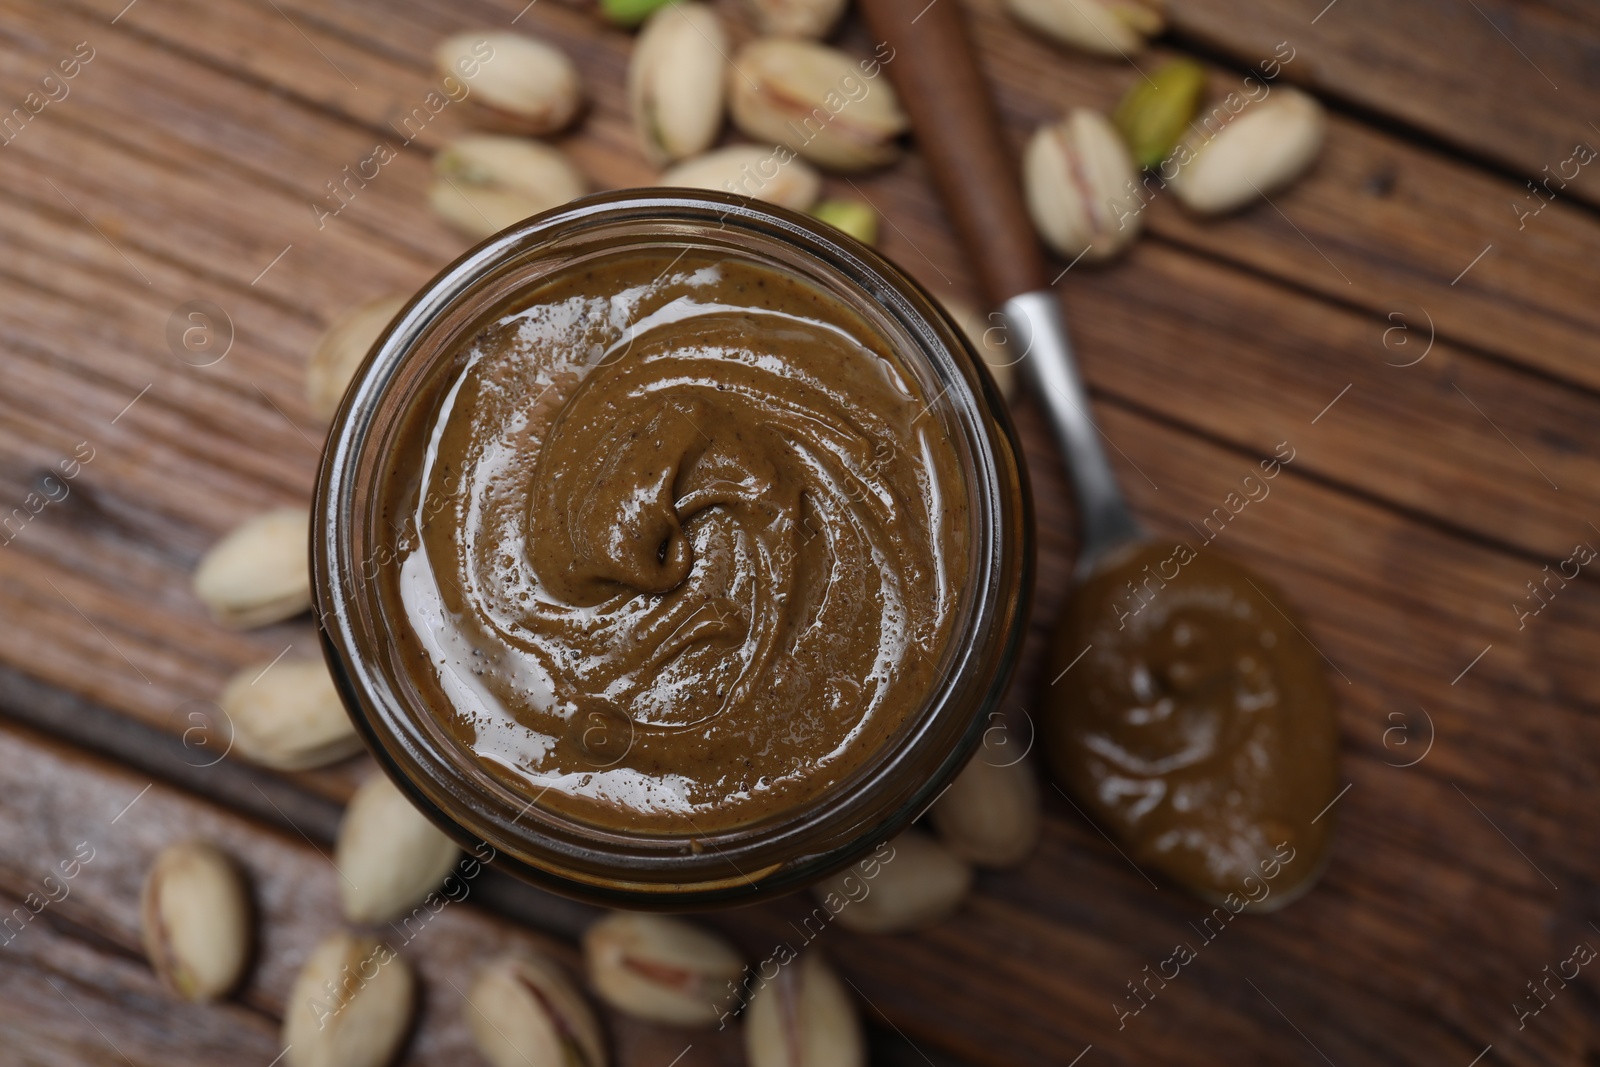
350	1006
816	101
1156	110
342	348
388	854
1265	146
523	1010
1081	187
482	184
989	339
194	916
1102	27
770	174
912	884
629	13
514	82
259	573
288	715
990	814
804	1018
852	216
810	19
676	80
661	969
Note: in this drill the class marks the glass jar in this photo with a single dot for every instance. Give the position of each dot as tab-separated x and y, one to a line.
604	864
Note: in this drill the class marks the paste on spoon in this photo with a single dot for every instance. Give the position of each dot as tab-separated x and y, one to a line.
1195	723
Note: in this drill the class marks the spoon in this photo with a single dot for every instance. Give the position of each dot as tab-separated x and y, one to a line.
1189	713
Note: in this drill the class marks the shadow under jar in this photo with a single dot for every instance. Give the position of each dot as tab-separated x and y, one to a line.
674	546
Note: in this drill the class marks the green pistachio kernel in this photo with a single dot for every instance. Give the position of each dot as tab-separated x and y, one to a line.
1156	111
629	13
853	217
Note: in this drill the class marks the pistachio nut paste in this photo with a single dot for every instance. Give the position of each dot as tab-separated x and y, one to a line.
684	545
1195	723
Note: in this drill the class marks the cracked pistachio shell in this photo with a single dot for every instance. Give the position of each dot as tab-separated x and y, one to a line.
195	920
990	814
483	184
676	81
804	1018
350	1006
341	349
988	337
288	715
809	19
661	969
1082	187
1267	146
1102	27
388	854
523	1010
261	572
770	174
918	884
514	82
816	101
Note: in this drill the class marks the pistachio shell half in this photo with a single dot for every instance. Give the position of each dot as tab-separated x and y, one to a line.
523	1010
195	920
484	183
804	1018
916	885
816	101
1081	187
796	18
770	174
988	337
514	82
1265	147
288	715
259	573
341	350
990	813
388	854
350	1006
676	80
1102	27
661	969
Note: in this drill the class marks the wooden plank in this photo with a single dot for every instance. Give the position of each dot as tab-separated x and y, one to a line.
1263	375
1406	527
1266	372
68	1001
1382	223
1193	290
57	798
1506	81
1400	610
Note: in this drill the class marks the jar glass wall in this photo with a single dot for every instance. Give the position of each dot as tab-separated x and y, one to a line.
355	537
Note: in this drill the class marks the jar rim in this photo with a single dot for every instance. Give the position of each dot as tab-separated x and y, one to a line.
798	845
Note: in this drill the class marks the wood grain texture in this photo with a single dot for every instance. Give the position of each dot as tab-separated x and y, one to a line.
1504	80
185	164
60	800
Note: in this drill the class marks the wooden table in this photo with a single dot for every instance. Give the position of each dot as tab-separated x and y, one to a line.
1428	353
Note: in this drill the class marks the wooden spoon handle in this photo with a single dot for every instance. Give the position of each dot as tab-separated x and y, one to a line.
958	131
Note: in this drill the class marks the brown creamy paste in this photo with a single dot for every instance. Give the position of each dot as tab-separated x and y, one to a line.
690	543
1198	725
